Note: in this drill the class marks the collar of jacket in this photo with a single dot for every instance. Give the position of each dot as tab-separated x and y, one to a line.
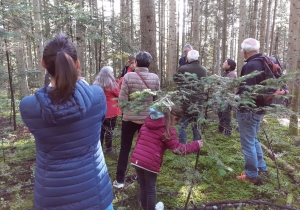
73	110
141	69
195	61
253	56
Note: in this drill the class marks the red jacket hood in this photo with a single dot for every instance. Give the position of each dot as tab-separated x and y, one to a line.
154	124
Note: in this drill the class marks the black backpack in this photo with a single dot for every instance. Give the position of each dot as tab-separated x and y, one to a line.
272	70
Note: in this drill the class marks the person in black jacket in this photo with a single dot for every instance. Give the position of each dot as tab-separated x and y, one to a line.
193	66
131	59
249	120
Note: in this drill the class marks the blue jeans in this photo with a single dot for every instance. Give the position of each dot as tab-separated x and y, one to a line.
183	124
147	181
249	123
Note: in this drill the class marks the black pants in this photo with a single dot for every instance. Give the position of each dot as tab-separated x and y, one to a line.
107	132
127	132
147	181
225	120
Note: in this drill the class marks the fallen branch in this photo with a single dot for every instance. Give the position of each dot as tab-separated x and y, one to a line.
237	203
287	167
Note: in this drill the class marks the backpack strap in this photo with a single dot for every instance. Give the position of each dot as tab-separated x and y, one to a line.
143	80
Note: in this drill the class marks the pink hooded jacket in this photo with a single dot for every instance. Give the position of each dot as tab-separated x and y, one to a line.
151	145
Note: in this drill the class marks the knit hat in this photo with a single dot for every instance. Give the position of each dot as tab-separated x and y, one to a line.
232	64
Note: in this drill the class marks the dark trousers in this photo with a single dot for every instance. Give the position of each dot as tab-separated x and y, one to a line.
225	120
107	132
127	132
147	181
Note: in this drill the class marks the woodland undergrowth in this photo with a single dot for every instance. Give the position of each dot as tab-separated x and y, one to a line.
220	160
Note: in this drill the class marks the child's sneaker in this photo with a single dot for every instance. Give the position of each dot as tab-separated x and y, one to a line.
159	206
117	184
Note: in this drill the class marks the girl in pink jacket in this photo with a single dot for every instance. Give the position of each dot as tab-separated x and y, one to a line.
107	81
157	135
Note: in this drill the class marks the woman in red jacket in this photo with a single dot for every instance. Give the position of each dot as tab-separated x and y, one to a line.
107	81
157	135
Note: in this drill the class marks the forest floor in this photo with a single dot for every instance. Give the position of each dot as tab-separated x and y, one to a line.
220	161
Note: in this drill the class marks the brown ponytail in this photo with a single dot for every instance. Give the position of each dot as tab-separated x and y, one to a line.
60	57
168	116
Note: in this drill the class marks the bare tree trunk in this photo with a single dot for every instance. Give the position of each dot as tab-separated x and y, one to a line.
38	40
163	44
204	53
80	41
273	27
195	25
263	26
276	44
183	24
240	60
131	24
292	58
125	28
47	23
29	53
293	126
20	65
172	64
224	30
113	45
267	41
148	31
254	20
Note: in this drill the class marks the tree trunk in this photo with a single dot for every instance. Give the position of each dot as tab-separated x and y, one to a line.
162	43
293	65
276	44
263	26
240	60
38	40
80	41
148	31
20	65
125	29
195	25
29	53
183	24
224	30
205	45
172	64
267	41
273	27
47	23
254	20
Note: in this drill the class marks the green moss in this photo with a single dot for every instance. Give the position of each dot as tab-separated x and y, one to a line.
220	161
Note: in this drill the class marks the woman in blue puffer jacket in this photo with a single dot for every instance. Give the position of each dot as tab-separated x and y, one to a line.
66	121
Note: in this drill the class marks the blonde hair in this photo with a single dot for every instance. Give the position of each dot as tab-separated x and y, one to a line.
168	116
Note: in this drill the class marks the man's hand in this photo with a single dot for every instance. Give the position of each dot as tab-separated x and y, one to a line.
280	92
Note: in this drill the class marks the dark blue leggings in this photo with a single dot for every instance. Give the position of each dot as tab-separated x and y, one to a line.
147	181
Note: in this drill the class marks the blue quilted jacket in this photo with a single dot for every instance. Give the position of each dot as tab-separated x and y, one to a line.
70	168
